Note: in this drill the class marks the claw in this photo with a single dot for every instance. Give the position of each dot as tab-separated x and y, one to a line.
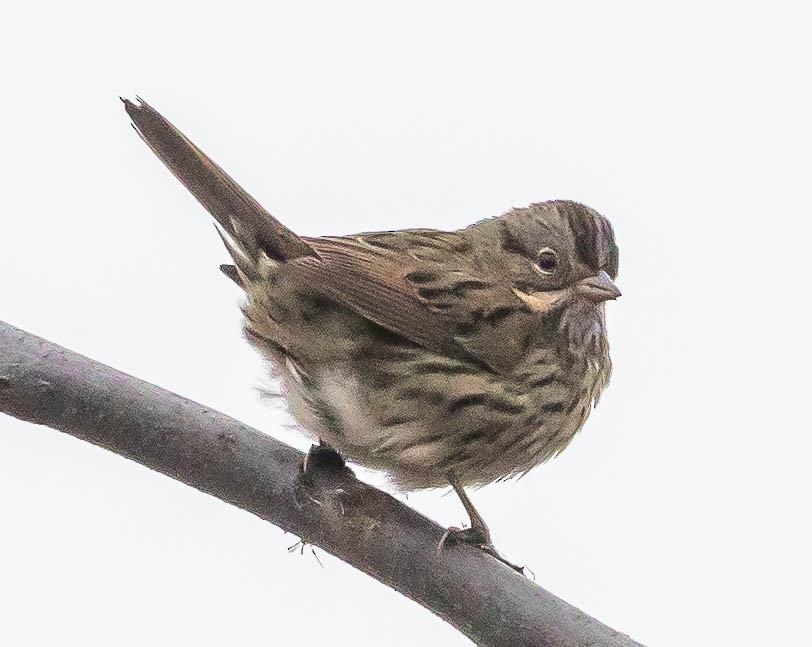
475	537
301	545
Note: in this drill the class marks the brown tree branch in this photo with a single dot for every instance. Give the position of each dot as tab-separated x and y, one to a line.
490	603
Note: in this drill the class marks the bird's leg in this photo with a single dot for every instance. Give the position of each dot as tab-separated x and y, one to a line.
477	534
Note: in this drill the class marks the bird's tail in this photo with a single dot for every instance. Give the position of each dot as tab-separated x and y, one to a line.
252	236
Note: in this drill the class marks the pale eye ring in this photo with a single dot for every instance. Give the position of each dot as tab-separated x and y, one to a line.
546	261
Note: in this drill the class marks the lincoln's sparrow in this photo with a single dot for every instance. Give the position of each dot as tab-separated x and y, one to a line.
439	357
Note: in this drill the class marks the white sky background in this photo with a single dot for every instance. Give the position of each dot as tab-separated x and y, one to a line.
680	515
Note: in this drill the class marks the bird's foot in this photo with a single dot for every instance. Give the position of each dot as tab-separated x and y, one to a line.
323	458
475	536
300	547
322	475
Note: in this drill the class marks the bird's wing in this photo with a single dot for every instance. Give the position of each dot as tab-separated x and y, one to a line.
398	281
417	284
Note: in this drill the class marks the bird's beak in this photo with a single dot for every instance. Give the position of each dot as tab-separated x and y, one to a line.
597	288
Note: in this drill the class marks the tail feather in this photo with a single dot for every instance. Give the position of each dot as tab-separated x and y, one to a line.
251	229
246	265
231	272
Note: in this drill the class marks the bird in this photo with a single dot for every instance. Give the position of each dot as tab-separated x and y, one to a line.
438	357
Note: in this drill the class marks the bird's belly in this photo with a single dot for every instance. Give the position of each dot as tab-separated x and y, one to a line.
421	419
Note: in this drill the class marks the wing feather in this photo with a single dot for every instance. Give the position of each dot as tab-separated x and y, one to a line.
434	299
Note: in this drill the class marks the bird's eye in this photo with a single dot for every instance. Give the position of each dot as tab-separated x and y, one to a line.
546	261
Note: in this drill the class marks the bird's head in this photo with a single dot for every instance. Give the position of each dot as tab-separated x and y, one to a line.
553	254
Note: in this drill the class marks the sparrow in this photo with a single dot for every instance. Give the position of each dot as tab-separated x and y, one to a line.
439	357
